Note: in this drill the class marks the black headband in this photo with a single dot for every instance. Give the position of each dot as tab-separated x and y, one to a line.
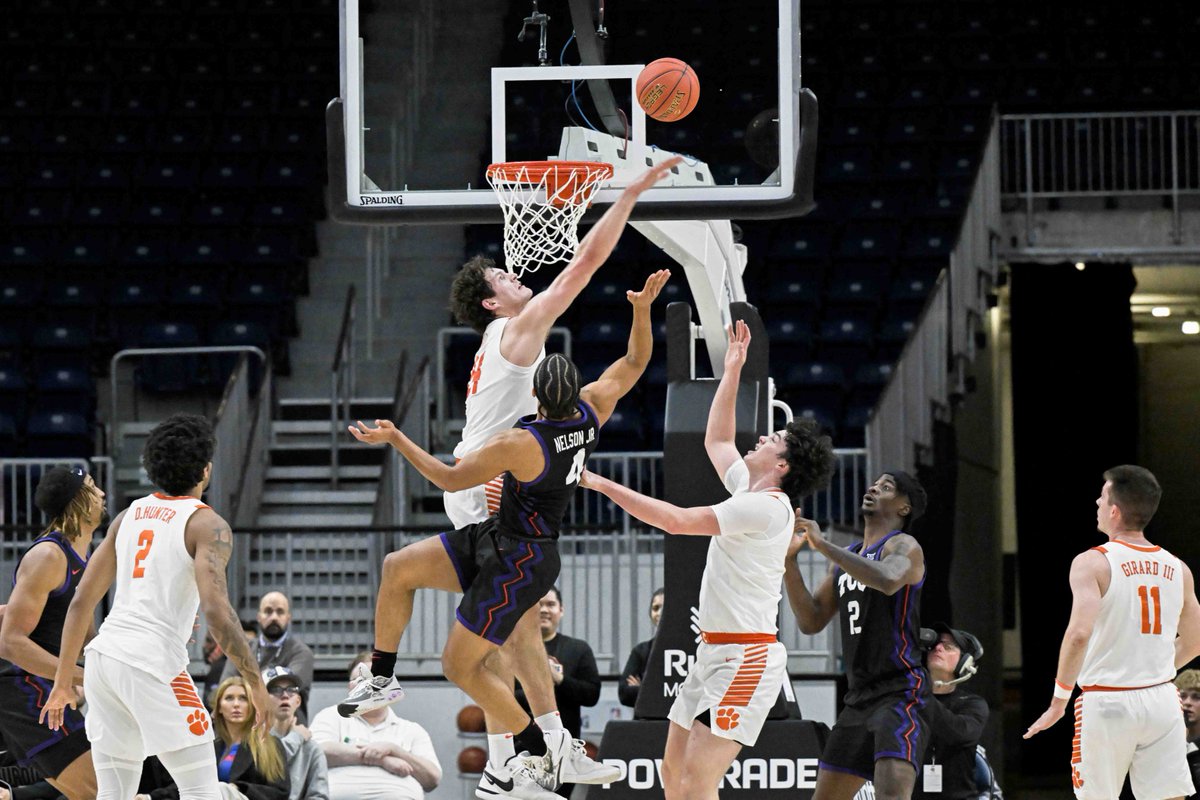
57	489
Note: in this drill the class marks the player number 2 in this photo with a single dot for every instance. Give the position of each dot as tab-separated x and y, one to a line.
144	540
854	610
1146	593
577	467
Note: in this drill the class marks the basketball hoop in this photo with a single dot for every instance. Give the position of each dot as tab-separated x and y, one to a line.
543	202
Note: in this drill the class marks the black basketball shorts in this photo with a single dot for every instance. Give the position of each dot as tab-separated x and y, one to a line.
22	697
888	727
501	577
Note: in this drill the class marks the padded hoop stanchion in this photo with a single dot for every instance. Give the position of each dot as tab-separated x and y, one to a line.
542	202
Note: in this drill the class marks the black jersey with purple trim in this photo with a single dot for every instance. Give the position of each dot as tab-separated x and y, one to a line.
48	632
880	634
535	509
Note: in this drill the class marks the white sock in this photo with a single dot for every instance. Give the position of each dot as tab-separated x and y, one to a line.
500	749
549	722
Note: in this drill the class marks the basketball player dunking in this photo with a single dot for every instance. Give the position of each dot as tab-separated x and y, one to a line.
1134	621
740	664
541	459
167	554
875	587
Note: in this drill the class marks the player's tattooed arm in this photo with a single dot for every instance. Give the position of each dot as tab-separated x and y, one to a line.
903	562
214	547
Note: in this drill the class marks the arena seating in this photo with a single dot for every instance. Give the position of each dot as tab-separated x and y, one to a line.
906	90
161	171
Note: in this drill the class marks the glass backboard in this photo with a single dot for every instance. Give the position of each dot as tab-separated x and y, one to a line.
430	98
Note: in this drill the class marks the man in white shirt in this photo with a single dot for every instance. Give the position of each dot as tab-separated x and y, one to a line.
740	664
377	755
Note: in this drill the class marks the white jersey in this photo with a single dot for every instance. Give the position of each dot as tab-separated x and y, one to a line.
154	611
743	576
1133	642
498	393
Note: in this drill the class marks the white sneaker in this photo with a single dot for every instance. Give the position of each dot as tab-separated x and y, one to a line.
521	777
370	692
567	760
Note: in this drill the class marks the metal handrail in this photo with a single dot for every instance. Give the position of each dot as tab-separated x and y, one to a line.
137	352
341	380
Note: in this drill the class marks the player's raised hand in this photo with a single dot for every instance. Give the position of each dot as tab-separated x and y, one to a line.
653	175
1050	716
383	433
52	713
795	546
739	345
810	531
649	292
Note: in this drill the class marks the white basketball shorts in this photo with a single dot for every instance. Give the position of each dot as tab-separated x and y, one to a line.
737	684
132	714
1136	731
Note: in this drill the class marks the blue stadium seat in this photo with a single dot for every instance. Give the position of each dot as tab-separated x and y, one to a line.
54	434
815	374
66	389
14	392
9	436
171	373
251	334
62	338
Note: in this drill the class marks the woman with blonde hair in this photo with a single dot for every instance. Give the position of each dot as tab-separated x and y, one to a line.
250	761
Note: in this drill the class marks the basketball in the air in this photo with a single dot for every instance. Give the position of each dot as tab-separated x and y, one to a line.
472	760
470	719
667	89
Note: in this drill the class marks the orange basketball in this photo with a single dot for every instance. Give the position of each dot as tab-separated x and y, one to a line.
470	719
472	759
591	750
667	89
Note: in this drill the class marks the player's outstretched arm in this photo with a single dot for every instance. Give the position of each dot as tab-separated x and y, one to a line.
813	610
97	578
1187	644
605	392
722	419
512	450
527	332
40	573
903	562
210	541
698	521
1087	571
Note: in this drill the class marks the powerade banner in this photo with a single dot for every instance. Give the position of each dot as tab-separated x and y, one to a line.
782	764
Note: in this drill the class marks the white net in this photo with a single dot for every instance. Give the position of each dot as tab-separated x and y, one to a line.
543	202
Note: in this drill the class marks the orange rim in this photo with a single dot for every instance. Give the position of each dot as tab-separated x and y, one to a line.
534	170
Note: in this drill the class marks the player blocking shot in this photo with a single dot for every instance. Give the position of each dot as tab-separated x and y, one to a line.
740	663
167	555
514	323
541	459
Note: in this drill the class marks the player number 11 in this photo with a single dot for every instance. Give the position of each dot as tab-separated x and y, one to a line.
1146	593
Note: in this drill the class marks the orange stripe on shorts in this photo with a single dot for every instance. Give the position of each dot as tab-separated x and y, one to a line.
746	679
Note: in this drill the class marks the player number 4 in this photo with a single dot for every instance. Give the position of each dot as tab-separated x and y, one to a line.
145	539
576	471
1148	593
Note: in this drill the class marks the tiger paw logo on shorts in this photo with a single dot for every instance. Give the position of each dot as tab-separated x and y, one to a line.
197	722
1076	778
727	719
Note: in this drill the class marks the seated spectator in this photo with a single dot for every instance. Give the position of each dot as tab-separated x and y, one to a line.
249	764
214	656
275	646
572	666
956	717
1188	684
635	666
376	755
307	770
